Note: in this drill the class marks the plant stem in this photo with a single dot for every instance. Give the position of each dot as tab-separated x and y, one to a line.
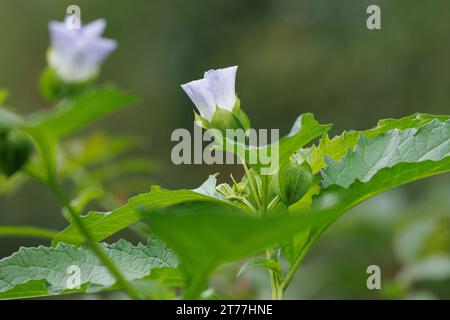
262	201
33	232
274	202
94	246
288	278
275	283
252	185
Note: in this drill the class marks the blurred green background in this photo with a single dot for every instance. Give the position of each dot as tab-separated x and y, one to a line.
294	56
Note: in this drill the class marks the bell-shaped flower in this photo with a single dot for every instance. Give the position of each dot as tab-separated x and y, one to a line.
215	90
76	54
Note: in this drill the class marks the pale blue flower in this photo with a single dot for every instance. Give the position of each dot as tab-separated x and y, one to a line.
76	54
215	90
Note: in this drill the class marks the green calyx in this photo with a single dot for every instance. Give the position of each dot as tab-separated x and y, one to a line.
223	119
15	151
293	180
52	87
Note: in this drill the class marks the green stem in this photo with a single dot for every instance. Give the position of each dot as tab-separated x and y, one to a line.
275	283
33	232
252	185
290	274
94	246
273	203
262	201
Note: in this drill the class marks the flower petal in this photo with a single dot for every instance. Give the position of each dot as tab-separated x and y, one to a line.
94	28
200	93
223	86
77	53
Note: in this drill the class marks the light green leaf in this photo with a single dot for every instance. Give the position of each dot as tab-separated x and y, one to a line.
335	200
3	95
83	198
102	225
341	199
337	147
74	113
305	129
70	115
44	271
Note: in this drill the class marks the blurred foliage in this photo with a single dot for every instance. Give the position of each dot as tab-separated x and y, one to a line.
304	55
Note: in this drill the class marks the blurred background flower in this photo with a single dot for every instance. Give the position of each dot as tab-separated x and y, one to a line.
76	54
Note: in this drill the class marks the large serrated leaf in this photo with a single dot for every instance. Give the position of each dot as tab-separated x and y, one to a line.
337	147
429	142
44	271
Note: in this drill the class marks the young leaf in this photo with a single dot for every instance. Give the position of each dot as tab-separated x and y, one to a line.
43	271
102	225
305	129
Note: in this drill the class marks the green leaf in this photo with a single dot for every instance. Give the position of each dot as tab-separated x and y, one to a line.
70	115
73	113
102	225
205	238
337	147
83	198
208	188
3	95
43	271
305	129
260	262
429	142
429	145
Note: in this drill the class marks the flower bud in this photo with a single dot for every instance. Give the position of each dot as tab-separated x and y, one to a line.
215	98
15	150
293	180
